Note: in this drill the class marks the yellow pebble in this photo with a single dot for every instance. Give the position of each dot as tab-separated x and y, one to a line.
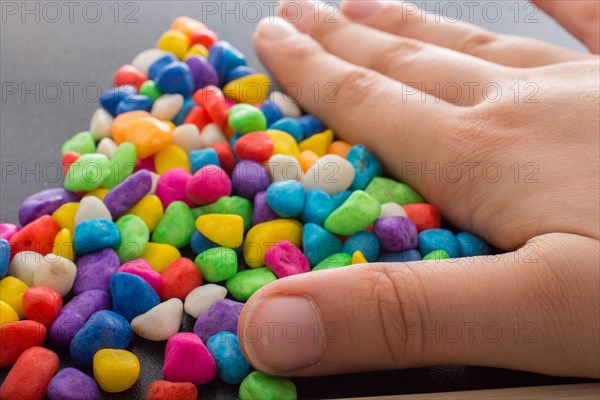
283	143
65	216
99	193
174	41
316	143
262	236
329	134
358	258
11	292
7	314
171	157
149	209
251	89
226	230
63	244
196	50
160	255
116	370
171	124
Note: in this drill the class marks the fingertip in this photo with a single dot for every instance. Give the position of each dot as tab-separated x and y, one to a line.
360	9
274	29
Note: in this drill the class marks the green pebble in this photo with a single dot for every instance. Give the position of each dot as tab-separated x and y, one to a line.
176	226
217	264
243	284
245	118
334	261
82	143
122	165
387	190
150	89
260	386
358	212
229	205
87	173
437	255
134	237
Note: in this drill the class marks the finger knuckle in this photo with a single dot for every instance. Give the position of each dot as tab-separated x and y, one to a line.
477	43
396	54
353	85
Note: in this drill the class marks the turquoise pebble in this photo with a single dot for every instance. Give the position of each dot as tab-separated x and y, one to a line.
202	158
131	295
366	242
340	198
232	366
95	234
439	239
471	245
4	257
187	106
318	205
291	126
366	166
286	198
318	244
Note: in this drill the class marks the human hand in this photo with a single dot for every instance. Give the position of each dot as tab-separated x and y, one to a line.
527	153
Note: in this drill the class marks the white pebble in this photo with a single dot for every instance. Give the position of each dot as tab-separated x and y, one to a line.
155	178
161	322
101	124
212	134
167	106
106	146
187	136
284	167
24	265
57	273
200	299
330	173
146	58
392	210
91	207
287	105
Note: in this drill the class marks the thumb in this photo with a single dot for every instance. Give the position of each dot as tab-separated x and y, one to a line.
511	311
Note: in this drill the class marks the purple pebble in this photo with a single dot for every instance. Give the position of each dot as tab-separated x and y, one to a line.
72	384
44	203
249	178
95	269
223	315
126	194
396	233
262	211
203	73
75	314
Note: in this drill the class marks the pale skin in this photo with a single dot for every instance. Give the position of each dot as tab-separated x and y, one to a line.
543	294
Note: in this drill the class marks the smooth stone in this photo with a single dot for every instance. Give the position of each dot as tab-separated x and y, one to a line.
94	271
29	377
285	259
223	315
318	244
94	235
439	239
165	390
235	205
116	370
200	299
18	336
227	230
232	366
141	268
364	241
258	385
91	207
187	136
87	173
471	245
358	212
161	322
217	264
387	190
24	264
436	255
188	360
331	173
392	210
176	226
146	58
134	237
127	193
57	273
365	164
249	178
337	260
72	384
396	233
262	211
284	167
318	205
44	203
121	165
107	146
245	283
131	295
4	257
167	106
101	124
286	198
81	143
402	256
262	236
288	106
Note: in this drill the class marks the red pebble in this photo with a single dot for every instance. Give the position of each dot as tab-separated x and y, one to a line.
178	279
16	337
255	146
424	216
67	160
225	156
212	99
198	117
145	163
36	236
206	38
42	304
129	75
30	376
165	390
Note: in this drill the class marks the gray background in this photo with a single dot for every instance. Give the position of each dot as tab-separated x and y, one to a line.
52	48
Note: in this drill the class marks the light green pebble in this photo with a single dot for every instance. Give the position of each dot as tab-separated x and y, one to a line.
82	143
122	165
260	386
87	173
358	212
150	89
229	205
176	226
437	255
334	261
245	118
217	264
387	190
243	284
134	237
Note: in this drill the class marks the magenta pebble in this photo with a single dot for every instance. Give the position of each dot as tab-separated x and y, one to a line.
285	259
171	187
127	193
141	268
8	230
396	233
44	203
188	360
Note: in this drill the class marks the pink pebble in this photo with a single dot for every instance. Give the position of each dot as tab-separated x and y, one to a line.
188	360
171	187
145	163
8	230
141	268
285	259
229	103
208	185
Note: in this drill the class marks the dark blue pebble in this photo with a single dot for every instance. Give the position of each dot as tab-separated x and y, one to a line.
310	125
158	65
135	103
471	245
224	57
132	295
400	256
110	99
272	112
176	78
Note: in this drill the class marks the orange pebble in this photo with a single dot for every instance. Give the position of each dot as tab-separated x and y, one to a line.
122	123
68	159
188	25
149	136
165	390
30	376
306	159
339	148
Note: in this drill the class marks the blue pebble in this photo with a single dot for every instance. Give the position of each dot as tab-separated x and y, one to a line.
94	235
104	330
340	198
224	57
200	243
291	126
310	125
400	256
439	239
202	158
272	112
110	99
238	72
4	257
232	366
366	242
366	166
158	65
318	244
187	106
131	295
286	198
134	103
317	206
471	245
176	78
